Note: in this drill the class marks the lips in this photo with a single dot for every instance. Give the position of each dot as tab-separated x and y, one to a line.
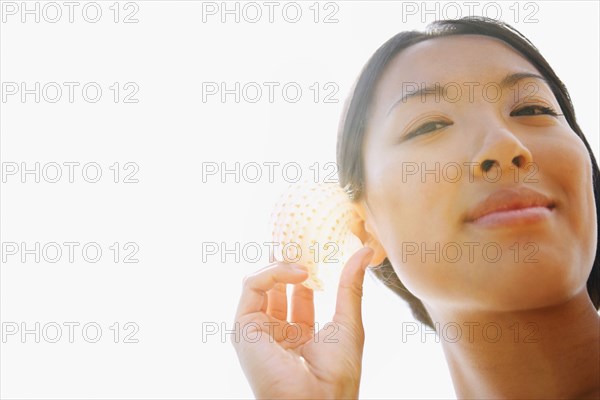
519	198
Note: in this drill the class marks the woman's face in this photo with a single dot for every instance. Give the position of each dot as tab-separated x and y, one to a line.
425	161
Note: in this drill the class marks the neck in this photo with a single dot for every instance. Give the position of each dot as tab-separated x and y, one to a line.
552	352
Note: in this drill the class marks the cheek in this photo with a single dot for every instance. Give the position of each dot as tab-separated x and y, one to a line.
409	207
570	170
414	188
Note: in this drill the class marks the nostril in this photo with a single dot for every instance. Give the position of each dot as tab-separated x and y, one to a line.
518	161
487	164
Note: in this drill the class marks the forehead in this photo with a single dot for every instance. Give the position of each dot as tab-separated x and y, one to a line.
461	59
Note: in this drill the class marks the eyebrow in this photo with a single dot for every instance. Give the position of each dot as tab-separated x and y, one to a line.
438	90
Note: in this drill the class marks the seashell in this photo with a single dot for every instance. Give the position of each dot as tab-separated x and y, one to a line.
311	226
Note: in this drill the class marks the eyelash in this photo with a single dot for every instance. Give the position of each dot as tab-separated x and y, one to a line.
545	111
418	131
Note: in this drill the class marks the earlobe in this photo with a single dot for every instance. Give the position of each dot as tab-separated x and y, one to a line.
361	228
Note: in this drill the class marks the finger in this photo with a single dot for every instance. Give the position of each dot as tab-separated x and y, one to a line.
349	296
256	286
277	302
302	306
265	303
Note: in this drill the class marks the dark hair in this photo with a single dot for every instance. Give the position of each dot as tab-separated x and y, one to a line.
354	122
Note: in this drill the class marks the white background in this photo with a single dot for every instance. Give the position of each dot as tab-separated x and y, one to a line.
171	292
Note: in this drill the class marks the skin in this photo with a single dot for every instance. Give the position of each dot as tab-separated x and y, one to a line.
280	367
545	341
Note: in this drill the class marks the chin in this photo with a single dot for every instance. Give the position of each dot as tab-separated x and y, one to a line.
532	286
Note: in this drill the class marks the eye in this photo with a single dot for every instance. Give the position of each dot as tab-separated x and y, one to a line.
529	111
428	127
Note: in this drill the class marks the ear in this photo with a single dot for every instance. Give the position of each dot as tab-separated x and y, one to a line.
363	230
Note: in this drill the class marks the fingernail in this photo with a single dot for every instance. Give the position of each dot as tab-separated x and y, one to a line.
368	256
297	268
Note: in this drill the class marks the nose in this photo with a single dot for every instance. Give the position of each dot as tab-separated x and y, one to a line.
503	151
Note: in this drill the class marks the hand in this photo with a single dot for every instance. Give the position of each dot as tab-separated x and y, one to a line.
304	367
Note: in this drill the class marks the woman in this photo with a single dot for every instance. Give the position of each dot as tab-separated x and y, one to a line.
475	96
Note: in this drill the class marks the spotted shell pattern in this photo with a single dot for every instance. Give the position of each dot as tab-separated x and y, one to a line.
311	226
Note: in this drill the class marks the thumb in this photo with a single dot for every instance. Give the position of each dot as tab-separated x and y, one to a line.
350	290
